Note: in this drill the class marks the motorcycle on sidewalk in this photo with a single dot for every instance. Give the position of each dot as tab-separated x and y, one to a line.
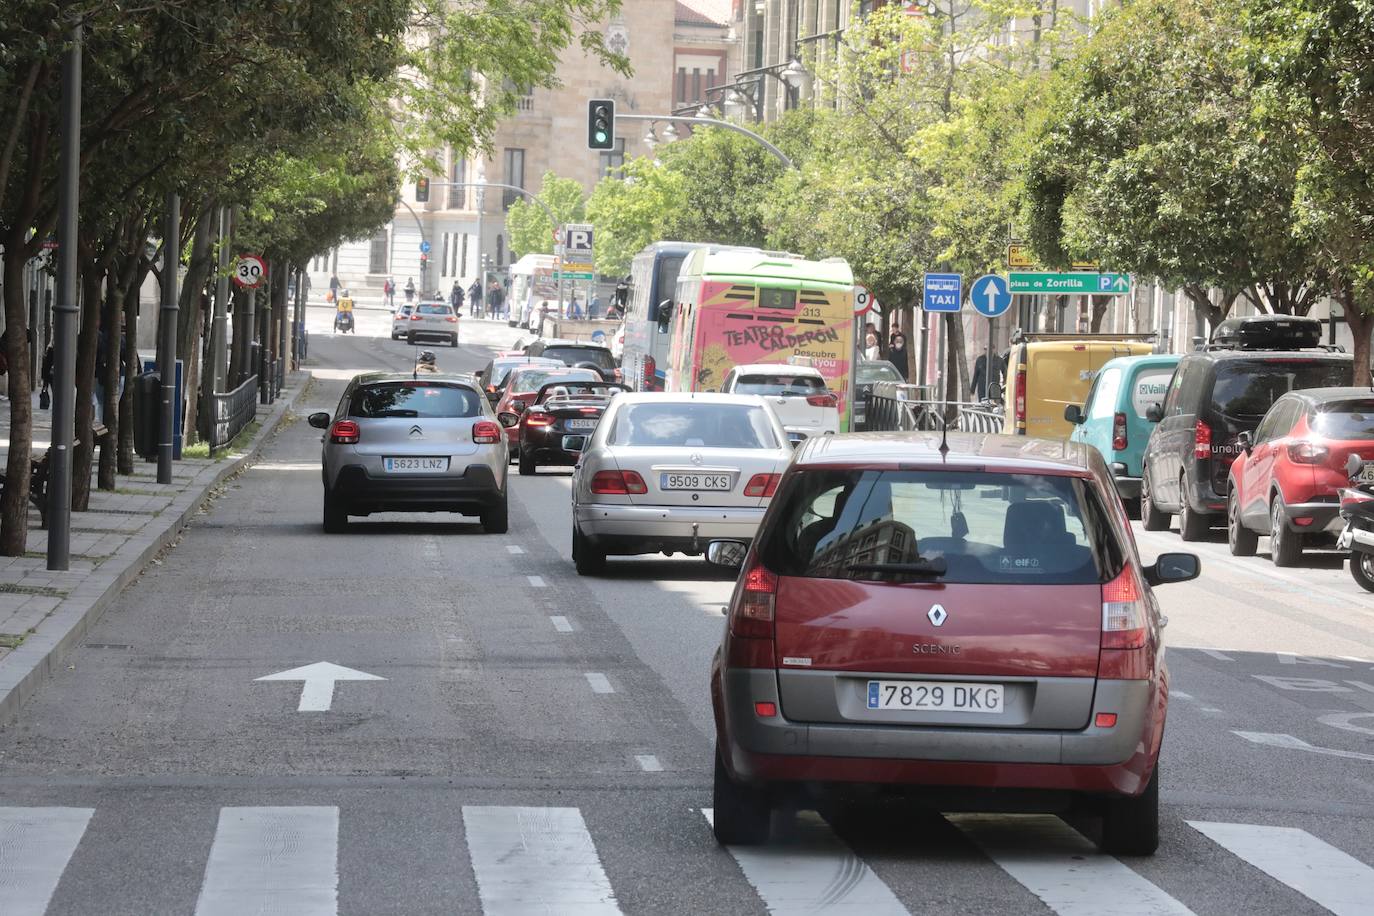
1357	508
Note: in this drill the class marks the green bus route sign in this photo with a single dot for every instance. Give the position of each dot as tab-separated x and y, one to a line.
1087	284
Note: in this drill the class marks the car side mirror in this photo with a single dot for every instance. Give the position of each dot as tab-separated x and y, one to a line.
1074	414
508	419
1245	441
319	420
1173	567
1154	413
1353	465
729	554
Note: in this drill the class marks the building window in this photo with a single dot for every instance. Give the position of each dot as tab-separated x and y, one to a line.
515	174
443	257
458	173
696	84
500	250
377	260
463	258
613	160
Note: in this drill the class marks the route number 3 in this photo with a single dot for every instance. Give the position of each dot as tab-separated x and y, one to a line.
251	271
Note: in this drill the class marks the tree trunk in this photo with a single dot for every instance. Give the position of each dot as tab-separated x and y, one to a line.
1100	305
238	353
87	345
133	366
192	383
109	381
1361	323
912	350
14	506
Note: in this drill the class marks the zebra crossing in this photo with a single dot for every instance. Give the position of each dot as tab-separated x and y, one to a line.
537	859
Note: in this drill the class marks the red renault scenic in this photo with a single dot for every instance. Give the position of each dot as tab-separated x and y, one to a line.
944	622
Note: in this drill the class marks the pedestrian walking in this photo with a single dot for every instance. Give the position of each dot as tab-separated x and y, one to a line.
871	349
410	289
389	293
897	353
45	396
334	285
455	297
496	298
574	307
594	307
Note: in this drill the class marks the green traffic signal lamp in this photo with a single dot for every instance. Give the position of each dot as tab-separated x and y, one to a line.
601	124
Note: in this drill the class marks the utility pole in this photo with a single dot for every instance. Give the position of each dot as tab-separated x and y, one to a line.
66	311
167	334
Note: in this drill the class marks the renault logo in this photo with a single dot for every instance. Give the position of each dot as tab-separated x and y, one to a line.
937	615
416	432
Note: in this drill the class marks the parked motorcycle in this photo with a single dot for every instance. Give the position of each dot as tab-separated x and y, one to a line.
343	321
1357	508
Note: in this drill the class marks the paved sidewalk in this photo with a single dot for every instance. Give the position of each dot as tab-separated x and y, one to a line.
43	613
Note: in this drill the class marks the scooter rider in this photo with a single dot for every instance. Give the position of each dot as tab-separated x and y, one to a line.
343	315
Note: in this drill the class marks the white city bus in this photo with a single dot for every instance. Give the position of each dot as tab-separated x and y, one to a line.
653	278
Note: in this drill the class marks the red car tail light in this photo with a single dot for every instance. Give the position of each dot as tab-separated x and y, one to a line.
538	419
485	432
1123	612
344	432
828	399
1307	452
1202	440
1119	433
452	318
618	483
1021	399
1105	720
764	485
415	317
752	615
765	710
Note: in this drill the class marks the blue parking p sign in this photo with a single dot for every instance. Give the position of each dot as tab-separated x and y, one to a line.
943	292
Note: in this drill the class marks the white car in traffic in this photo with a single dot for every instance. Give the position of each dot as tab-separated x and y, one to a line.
671	472
797	394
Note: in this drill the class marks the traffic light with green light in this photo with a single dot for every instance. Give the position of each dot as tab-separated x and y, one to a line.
601	124
422	191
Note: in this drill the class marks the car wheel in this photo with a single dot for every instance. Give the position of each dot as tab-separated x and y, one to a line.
1285	545
1242	540
1362	569
496	519
586	557
742	814
1130	826
335	518
526	463
1151	518
1192	525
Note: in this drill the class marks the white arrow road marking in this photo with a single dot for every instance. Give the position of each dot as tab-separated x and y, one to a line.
35	846
317	693
1312	867
1297	744
1342	720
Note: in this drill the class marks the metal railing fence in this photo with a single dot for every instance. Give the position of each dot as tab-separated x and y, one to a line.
899	406
226	415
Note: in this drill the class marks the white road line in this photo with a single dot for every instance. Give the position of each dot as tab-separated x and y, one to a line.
815	873
1312	867
648	763
1289	742
599	682
1215	653
536	860
1179	694
1060	866
35	846
273	860
1210	709
536	581
561	624
514	549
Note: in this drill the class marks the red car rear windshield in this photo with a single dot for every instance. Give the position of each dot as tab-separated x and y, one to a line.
1346	419
947	526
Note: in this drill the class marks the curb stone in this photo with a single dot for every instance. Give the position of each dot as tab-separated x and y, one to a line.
34	660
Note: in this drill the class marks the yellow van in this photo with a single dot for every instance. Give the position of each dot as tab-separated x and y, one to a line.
1048	372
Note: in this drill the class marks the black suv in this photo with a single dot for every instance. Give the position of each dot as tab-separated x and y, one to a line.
581	355
1216	394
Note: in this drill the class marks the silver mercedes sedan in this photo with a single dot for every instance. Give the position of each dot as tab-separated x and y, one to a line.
398	443
670	472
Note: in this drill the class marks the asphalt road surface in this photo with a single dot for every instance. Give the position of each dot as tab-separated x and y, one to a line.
536	742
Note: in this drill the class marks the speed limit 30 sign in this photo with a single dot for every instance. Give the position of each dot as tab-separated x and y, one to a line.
251	271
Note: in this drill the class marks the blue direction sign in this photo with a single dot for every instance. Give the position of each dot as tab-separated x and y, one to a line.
943	292
424	248
991	295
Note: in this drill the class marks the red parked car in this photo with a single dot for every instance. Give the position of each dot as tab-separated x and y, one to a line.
972	626
522	387
1286	481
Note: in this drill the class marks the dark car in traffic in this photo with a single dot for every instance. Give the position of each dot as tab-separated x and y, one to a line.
580	355
556	425
966	623
1215	395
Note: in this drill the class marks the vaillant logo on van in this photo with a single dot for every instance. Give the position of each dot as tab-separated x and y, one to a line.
937	615
416	432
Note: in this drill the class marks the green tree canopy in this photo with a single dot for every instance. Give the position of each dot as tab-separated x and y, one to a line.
528	224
